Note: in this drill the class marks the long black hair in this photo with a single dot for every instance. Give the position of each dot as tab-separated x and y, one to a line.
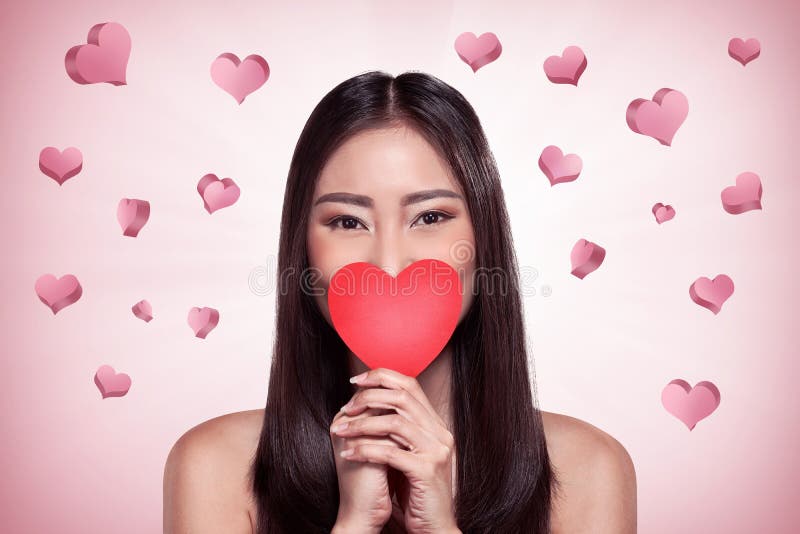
505	480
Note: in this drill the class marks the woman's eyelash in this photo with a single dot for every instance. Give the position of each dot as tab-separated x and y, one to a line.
334	223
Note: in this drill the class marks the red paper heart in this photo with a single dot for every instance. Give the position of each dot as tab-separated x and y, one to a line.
398	323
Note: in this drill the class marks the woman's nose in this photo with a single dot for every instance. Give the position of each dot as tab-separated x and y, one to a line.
390	253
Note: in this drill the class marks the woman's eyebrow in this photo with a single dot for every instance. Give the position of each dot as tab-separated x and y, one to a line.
367	202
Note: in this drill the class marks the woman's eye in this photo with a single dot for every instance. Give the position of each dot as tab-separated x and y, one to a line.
348	223
429	218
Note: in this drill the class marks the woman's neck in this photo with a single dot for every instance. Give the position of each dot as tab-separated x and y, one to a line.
434	381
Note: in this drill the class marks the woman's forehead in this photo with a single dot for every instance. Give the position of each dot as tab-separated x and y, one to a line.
386	161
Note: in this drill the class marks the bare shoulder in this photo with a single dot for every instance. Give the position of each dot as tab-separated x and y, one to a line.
205	475
597	478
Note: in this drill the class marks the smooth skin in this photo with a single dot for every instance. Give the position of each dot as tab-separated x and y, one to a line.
204	478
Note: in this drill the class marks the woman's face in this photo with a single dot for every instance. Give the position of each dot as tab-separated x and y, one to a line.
363	209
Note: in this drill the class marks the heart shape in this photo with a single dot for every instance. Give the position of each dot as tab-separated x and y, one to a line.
239	79
744	51
203	321
663	213
659	118
132	214
110	383
216	193
58	293
744	196
104	58
690	404
586	257
58	165
566	68
711	294
478	51
143	310
399	323
559	168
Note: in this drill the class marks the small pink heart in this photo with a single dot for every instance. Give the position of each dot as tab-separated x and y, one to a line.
559	168
744	196
104	58
239	79
662	212
58	165
711	294
478	51
132	215
203	321
143	310
586	257
744	51
659	118
58	293
111	383
216	193
566	68
690	404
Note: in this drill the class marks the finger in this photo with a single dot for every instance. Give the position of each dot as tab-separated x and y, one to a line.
391	379
404	403
405	461
392	439
393	425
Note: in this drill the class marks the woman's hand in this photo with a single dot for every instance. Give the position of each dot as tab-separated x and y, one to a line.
427	465
365	501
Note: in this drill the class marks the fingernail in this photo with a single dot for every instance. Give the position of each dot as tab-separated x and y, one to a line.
346	452
340	427
358	378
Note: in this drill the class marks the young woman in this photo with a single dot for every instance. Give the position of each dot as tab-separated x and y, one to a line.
391	170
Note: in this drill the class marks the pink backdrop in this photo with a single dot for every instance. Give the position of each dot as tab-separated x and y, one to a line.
604	347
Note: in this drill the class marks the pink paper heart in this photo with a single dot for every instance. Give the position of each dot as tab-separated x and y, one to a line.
744	196
110	383
203	321
659	118
559	168
744	51
132	214
104	58
566	68
58	293
586	257
711	294
663	213
143	310
690	404
478	51
216	193
239	79
58	165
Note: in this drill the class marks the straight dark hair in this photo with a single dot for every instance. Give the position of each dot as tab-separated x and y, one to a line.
505	480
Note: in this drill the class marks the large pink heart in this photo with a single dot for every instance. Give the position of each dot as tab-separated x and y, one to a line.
398	323
104	58
744	51
239	79
478	51
58	293
711	294
216	193
110	383
659	118
690	404
58	165
559	168
203	320
586	257
744	196
566	68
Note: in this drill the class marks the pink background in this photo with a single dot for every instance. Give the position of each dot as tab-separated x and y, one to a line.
604	347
